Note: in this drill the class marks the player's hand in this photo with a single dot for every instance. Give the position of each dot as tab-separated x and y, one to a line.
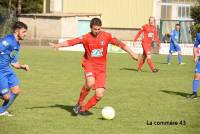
25	67
54	46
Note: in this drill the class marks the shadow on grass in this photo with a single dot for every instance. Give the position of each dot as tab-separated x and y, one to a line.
68	108
175	93
131	69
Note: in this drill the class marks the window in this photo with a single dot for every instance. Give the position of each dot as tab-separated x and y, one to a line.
184	11
166	11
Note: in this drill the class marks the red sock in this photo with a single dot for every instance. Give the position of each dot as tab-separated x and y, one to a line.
92	102
151	65
83	94
141	64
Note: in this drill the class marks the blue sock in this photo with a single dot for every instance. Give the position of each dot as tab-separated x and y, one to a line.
7	104
195	86
169	58
180	58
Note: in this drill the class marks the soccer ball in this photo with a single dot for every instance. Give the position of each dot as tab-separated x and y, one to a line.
108	113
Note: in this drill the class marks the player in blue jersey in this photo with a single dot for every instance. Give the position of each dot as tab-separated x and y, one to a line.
174	45
196	52
9	49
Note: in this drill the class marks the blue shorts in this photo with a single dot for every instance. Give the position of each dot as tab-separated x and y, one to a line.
8	82
174	48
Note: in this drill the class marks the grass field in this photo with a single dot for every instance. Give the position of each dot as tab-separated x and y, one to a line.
52	87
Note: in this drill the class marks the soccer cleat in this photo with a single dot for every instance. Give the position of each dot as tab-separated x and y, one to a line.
192	96
6	113
155	70
182	63
85	113
76	108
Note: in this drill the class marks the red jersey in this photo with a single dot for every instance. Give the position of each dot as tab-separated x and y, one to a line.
149	34
96	47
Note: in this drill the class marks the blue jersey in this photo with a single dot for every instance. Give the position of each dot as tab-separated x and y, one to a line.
174	37
174	46
196	45
197	41
9	49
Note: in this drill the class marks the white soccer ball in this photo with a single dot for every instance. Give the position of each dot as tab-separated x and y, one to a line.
108	113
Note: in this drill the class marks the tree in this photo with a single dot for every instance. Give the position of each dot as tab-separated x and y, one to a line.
195	14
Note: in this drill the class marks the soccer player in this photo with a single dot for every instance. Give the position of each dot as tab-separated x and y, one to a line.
94	63
9	49
150	35
196	52
174	45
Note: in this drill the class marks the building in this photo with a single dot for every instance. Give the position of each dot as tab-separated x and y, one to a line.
71	18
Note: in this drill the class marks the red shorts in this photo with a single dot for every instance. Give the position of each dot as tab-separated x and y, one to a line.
96	71
146	48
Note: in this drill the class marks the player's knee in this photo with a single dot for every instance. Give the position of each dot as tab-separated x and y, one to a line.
6	97
16	91
90	85
148	56
99	94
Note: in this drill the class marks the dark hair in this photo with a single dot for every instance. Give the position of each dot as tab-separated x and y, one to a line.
95	21
178	25
19	25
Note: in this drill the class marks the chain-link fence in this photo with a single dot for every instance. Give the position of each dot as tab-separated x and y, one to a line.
166	26
7	18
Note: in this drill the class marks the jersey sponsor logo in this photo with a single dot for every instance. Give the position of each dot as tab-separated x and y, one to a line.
97	53
5	43
150	35
4	91
13	54
176	38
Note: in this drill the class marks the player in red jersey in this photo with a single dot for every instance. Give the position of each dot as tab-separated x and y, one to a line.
94	63
150	35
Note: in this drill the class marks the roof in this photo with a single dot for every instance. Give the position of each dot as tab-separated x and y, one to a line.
60	15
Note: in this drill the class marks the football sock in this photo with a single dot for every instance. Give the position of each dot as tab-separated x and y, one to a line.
83	94
141	64
7	104
169	58
151	65
92	102
195	86
180	58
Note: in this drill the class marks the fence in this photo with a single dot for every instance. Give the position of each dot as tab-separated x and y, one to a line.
166	26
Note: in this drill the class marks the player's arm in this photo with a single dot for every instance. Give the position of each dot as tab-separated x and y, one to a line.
67	43
120	44
138	34
17	65
157	40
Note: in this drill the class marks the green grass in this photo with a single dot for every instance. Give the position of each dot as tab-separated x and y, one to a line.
52	87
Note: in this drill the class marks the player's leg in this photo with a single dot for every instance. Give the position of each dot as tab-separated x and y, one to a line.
141	62
99	92
89	83
195	83
100	83
4	92
169	57
13	85
180	58
149	59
